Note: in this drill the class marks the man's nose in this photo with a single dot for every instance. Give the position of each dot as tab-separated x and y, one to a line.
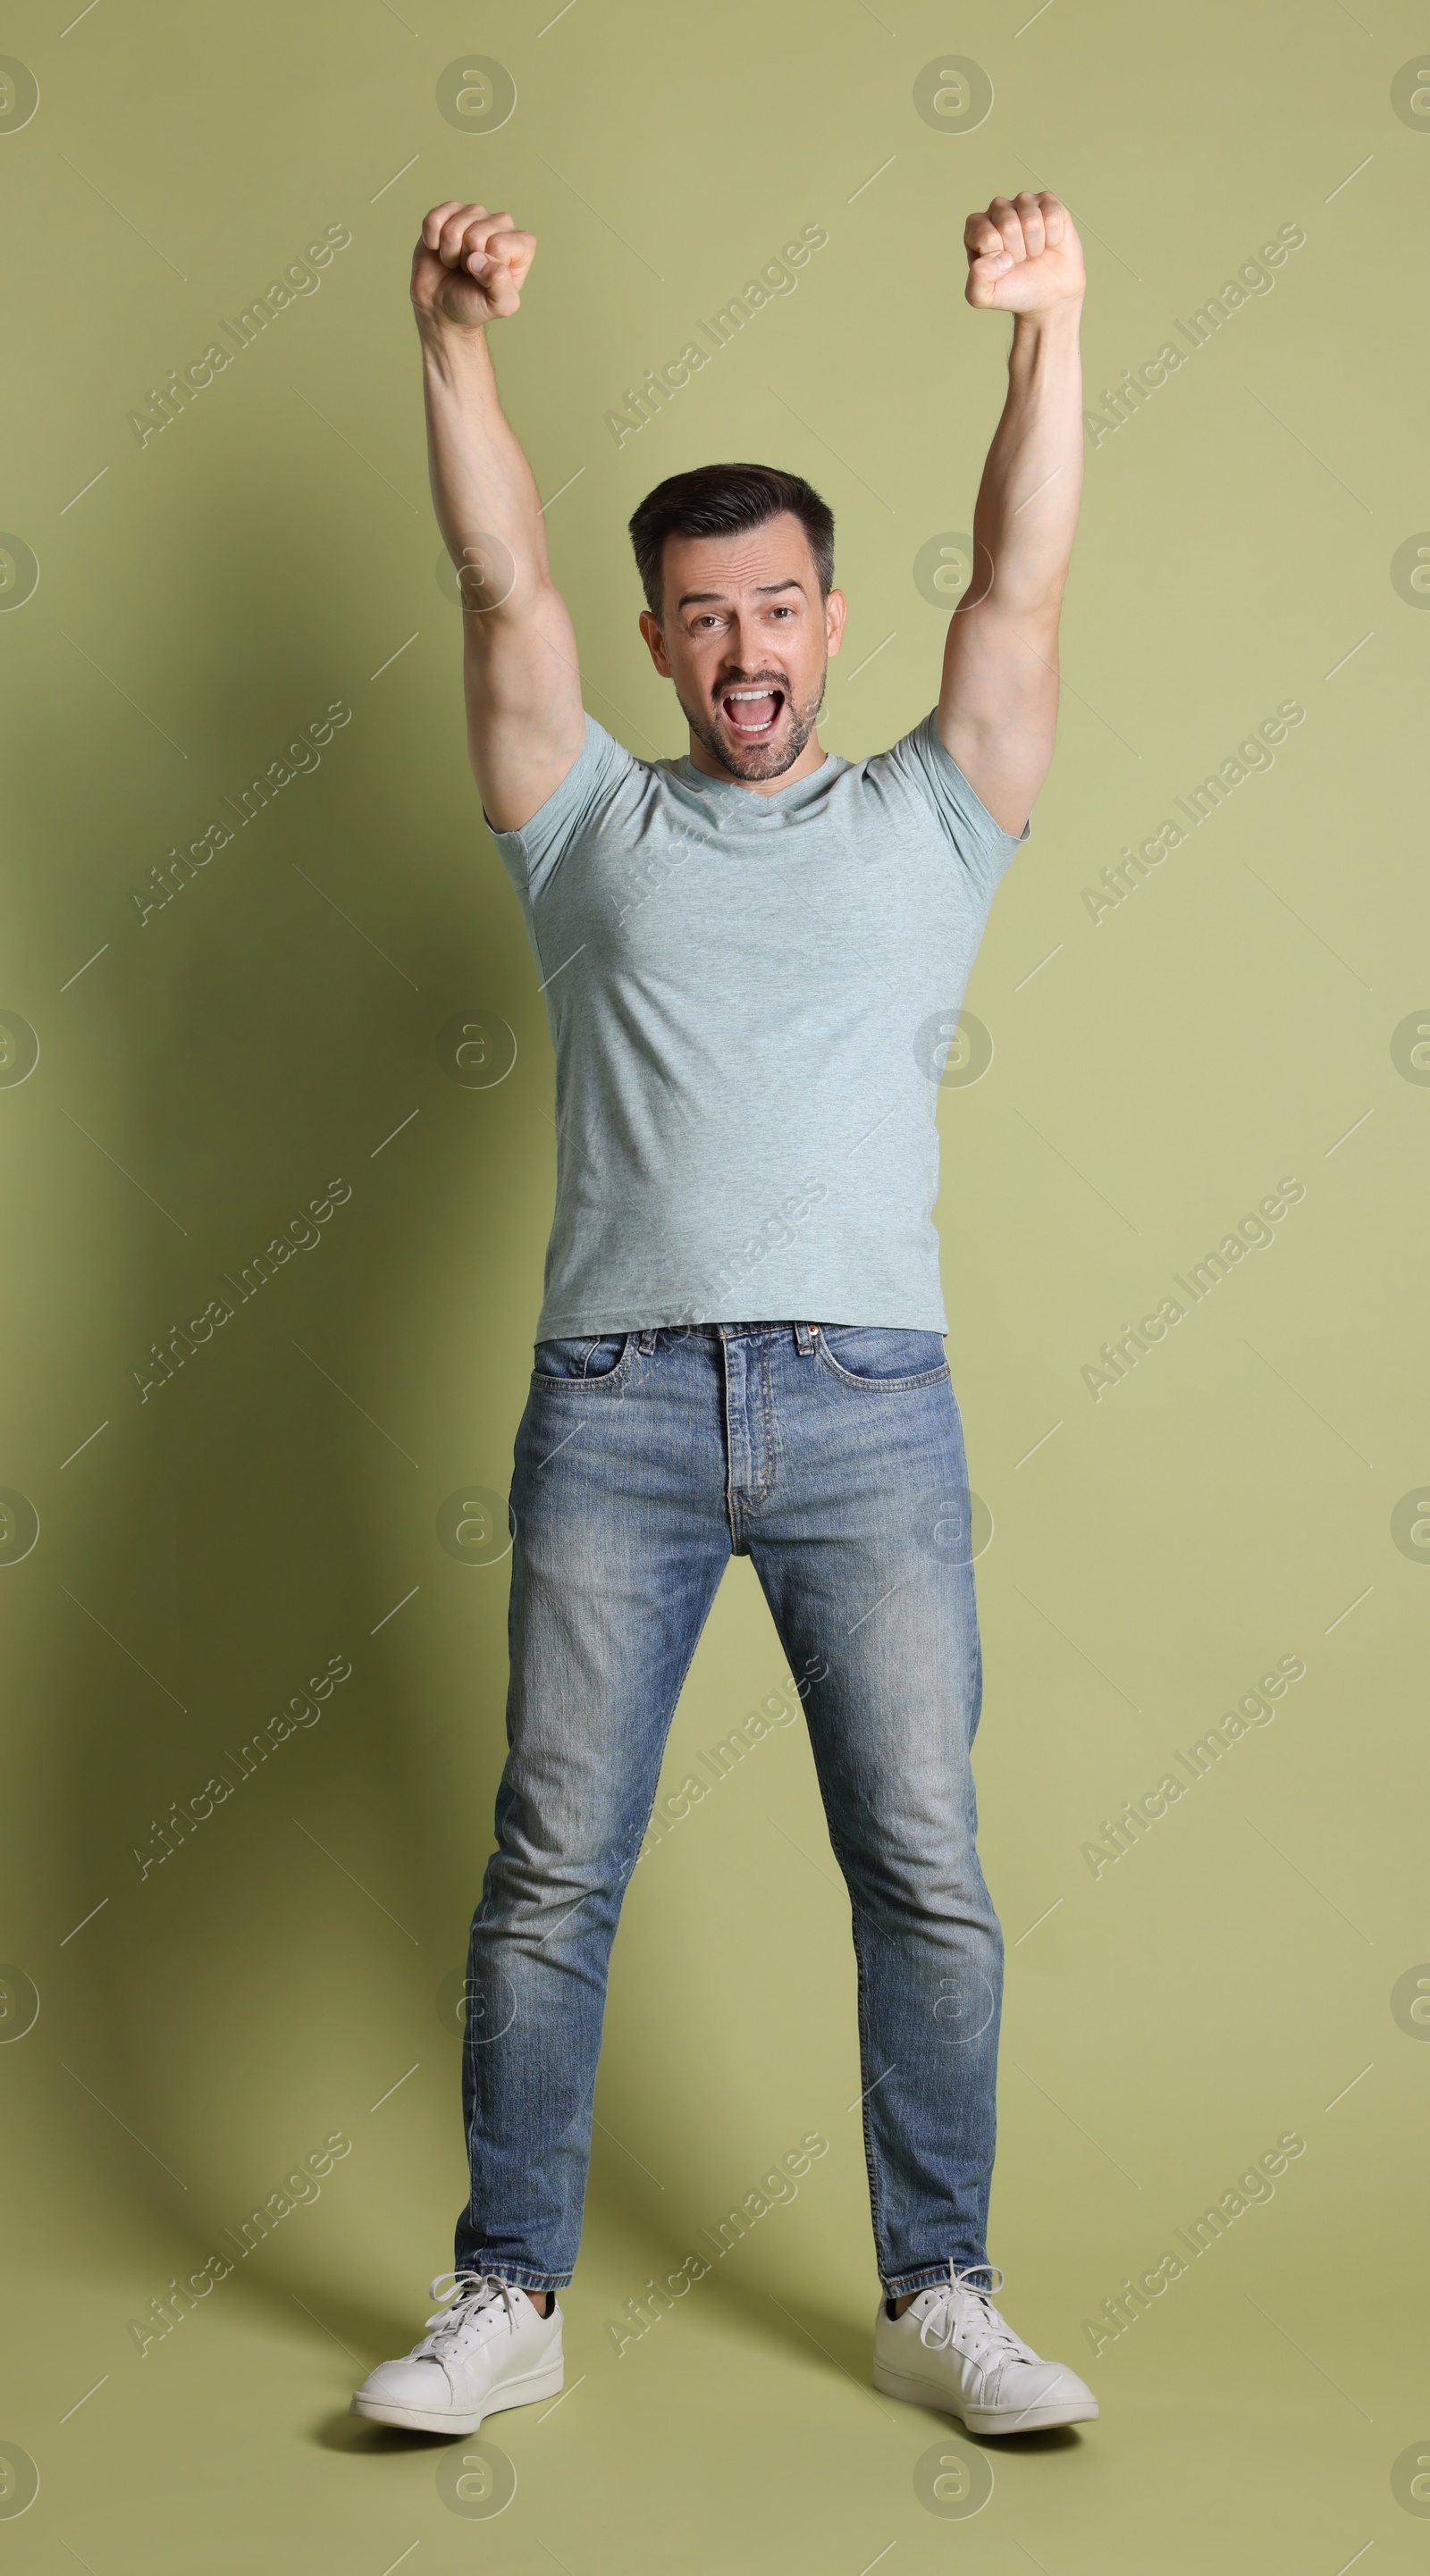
746	648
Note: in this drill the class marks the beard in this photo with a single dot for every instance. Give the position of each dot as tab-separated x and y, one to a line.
759	760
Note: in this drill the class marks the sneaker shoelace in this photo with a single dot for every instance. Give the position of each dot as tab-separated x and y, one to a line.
471	2304
985	2338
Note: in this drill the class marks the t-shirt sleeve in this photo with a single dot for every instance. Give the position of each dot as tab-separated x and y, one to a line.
532	855
923	762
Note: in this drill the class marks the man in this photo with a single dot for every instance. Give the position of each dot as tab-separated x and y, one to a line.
752	959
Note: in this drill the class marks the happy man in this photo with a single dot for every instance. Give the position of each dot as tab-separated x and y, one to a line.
752	957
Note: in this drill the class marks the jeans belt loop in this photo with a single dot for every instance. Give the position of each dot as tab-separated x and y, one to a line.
804	1338
646	1339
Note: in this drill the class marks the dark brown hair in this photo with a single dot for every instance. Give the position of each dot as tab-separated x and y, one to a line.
721	501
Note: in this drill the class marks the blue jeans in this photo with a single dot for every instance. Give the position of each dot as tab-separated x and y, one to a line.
832	1456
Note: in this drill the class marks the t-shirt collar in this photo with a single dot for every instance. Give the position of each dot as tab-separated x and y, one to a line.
738	804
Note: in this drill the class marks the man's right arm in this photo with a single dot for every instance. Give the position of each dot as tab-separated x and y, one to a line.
525	720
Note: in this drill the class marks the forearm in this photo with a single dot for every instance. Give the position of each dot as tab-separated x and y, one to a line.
482	485
1028	500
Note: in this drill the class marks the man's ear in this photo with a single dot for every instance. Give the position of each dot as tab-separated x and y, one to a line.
835	610
650	629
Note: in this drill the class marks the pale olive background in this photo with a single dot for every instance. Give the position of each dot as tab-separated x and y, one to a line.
1154	1074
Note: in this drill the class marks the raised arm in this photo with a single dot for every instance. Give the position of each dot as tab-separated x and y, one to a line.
525	721
998	705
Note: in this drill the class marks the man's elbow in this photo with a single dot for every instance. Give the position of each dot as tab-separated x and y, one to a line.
1032	601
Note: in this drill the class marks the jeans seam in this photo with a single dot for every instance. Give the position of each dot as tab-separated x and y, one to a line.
744	1500
518	2276
881	1385
876	2212
765	1487
930	2279
861	1982
588	1385
645	1828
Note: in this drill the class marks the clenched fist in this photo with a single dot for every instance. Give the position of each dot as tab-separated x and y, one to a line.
1023	255
469	266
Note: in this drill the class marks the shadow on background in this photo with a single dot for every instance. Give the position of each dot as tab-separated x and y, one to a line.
249	1050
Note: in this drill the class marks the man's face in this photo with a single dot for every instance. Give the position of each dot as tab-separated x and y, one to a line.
746	639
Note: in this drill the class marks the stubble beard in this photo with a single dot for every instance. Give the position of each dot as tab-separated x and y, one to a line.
752	761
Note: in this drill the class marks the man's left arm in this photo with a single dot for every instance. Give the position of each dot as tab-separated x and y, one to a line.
998	704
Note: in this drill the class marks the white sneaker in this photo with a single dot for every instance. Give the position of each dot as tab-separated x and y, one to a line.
951	2349
487	2348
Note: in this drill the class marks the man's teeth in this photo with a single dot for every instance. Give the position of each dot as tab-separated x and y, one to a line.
771	698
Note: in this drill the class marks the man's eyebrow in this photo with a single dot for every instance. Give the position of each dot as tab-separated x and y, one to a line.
765	590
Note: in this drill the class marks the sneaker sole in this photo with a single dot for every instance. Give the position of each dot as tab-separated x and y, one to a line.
512	2392
979	2419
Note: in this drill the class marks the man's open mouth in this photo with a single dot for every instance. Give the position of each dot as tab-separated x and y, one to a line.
752	713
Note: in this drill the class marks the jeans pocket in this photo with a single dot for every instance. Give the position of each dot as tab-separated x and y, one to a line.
880	1356
586	1359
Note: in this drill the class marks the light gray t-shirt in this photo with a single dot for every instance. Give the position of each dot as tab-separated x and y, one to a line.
751	999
